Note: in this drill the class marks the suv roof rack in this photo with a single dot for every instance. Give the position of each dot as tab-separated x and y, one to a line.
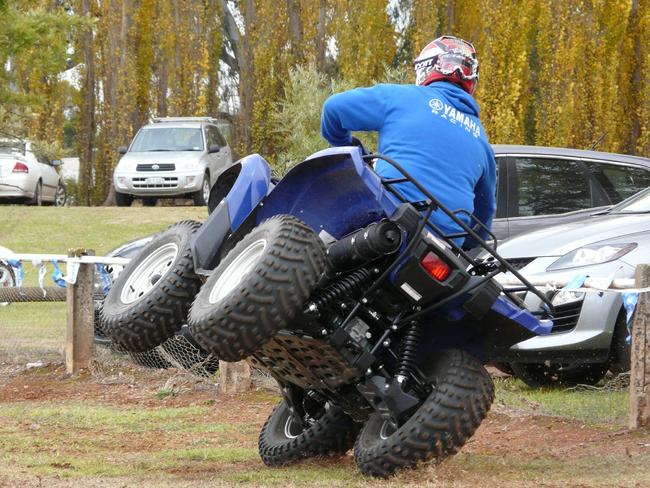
212	120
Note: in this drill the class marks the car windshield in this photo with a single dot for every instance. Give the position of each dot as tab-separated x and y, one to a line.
168	139
639	203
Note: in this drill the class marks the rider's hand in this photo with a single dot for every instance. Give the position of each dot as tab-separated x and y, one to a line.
357	142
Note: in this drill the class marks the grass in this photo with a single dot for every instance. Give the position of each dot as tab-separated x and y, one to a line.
592	406
54	230
208	442
34	331
86	443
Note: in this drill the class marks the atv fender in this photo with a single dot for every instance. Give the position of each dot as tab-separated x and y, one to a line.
253	183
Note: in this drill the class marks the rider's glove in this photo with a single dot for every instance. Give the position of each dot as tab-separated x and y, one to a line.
357	142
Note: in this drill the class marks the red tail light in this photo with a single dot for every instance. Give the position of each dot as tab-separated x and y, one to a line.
20	168
435	266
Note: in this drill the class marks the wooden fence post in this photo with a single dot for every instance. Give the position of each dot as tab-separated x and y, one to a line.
234	378
640	354
80	328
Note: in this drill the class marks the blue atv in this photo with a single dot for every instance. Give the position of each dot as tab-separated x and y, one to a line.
374	322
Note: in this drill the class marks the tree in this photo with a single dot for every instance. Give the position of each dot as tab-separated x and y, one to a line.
34	42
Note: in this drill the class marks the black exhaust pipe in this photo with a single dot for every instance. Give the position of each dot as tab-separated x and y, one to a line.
365	245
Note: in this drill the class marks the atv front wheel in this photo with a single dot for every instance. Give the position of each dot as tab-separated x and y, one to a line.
257	288
151	297
462	395
283	440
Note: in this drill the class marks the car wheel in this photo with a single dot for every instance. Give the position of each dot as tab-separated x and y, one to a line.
123	199
540	374
462	395
151	297
149	202
202	196
37	199
621	351
60	196
283	440
257	288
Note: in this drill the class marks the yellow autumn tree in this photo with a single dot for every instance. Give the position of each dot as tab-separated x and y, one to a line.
365	39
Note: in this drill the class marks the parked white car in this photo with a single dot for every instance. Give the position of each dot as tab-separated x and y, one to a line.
26	177
172	157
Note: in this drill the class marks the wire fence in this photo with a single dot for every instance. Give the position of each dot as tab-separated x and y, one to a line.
32	334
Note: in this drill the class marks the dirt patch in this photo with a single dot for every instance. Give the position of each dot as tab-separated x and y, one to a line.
194	436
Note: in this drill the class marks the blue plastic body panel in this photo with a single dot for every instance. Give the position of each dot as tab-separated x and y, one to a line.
523	317
250	187
333	190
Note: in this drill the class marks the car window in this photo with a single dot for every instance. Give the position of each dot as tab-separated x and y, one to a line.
548	186
168	139
217	136
620	182
209	136
222	139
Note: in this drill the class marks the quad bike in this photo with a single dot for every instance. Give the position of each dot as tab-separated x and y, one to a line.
374	322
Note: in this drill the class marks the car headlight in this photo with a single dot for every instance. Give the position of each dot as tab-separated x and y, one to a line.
564	297
594	254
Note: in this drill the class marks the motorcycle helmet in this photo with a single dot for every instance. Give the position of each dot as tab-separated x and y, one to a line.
448	58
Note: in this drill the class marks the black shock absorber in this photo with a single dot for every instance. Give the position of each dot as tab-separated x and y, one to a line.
408	351
350	286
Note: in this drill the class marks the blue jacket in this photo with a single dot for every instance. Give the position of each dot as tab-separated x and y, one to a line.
433	132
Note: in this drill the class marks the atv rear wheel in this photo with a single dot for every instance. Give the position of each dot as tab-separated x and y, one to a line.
151	297
283	440
462	395
257	288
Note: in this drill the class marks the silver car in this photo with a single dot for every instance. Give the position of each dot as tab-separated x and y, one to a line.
24	176
590	328
172	157
544	186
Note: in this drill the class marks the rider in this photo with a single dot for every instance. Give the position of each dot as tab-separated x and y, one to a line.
431	128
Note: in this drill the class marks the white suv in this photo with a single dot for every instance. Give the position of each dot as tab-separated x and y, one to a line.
172	157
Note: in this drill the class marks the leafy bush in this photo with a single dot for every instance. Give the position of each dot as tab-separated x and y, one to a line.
297	117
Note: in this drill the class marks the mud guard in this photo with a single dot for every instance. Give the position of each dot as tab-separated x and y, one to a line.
253	183
333	190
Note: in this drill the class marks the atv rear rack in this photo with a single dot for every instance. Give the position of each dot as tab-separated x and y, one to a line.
476	268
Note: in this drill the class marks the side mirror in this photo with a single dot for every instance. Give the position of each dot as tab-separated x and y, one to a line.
56	162
122	150
214	148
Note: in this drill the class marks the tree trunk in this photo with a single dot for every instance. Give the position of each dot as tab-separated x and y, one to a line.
213	57
87	110
295	30
320	35
633	27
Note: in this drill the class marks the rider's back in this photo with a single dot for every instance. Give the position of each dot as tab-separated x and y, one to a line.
432	131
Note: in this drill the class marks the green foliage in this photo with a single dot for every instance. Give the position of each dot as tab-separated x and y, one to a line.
166	392
297	117
34	50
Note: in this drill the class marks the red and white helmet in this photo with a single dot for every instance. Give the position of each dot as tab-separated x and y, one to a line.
448	58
